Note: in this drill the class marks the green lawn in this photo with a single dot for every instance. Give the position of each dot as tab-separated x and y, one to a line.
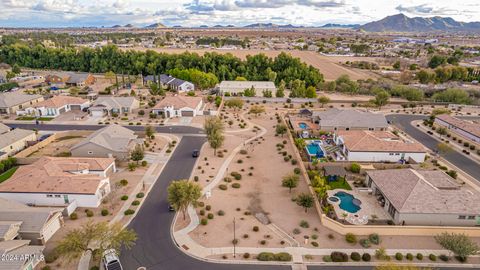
30	118
4	176
340	183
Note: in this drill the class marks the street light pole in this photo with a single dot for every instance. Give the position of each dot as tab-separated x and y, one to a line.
234	238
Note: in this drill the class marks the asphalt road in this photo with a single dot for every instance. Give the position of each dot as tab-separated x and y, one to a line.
154	248
61	127
458	159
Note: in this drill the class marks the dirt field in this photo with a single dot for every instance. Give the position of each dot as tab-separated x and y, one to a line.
327	65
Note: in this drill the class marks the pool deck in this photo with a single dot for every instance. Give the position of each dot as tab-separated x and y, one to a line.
368	207
310	126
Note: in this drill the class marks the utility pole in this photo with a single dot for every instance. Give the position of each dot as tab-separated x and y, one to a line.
234	238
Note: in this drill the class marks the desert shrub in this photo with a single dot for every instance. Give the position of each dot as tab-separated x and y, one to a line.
355	168
351	238
202	212
210	216
266	256
51	256
140	195
283	257
124	198
255	228
73	216
294	162
355	256
314	237
315	244
236	175
46	267
286	158
124	182
304	224
144	163
327	258
129	212
296	171
366	257
245	236
200	204
419	256
399	256
246	255
236	185
223	187
89	213
243	152
374	238
221	213
409	256
104	212
263	242
296	231
432	257
365	243
331	236
239	161
339	256
204	221
444	258
94	268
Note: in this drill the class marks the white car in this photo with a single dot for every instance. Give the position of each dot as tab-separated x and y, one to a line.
111	260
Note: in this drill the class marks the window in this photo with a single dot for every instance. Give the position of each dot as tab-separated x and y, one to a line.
57	196
49	196
371	129
347	128
471	217
90	152
461	217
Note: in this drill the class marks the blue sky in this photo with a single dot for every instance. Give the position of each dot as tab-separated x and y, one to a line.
69	13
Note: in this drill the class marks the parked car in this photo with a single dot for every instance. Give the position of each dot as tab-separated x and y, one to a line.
195	153
170	208
111	260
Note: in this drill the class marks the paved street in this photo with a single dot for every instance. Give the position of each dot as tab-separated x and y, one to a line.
454	157
60	127
154	248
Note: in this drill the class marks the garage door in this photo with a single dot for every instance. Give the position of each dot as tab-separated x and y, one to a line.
75	107
187	113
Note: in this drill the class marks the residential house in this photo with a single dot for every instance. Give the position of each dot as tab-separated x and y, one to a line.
14	140
170	82
113	141
377	146
467	129
336	119
12	102
236	88
36	224
60	182
18	249
418	197
179	106
108	105
57	105
80	79
57	78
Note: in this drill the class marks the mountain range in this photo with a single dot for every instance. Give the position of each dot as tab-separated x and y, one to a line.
402	23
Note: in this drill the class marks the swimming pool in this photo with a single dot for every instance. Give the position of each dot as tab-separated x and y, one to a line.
302	125
348	202
315	150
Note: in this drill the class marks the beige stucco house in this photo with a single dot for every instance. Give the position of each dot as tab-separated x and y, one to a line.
12	102
15	140
111	141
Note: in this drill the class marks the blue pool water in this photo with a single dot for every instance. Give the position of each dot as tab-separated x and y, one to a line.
302	125
348	202
314	149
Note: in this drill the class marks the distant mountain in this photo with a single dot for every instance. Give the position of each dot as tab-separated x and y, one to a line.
177	26
128	26
203	26
402	23
124	26
336	25
268	25
156	25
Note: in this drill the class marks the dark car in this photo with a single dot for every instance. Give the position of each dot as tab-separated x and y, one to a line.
170	208
195	153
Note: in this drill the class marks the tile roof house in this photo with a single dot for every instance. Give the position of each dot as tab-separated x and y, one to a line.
417	197
12	102
53	181
236	88
112	141
178	106
170	82
336	119
37	224
106	105
14	140
18	249
57	105
378	146
69	79
467	129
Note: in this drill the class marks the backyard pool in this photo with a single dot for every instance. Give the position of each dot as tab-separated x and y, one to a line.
302	125
348	202
315	150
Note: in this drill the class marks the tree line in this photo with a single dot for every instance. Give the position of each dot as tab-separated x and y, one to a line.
110	58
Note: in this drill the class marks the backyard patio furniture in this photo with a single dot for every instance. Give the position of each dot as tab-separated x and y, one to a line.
333	173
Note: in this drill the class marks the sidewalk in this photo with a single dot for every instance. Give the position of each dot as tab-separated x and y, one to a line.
145	184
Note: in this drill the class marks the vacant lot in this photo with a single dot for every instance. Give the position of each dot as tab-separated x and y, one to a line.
328	65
